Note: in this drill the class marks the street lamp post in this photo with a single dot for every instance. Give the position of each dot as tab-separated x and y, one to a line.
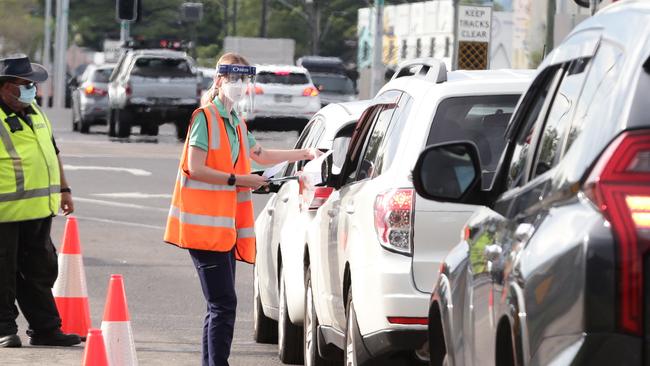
376	81
47	47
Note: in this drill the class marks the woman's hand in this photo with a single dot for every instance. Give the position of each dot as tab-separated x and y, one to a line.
250	181
312	153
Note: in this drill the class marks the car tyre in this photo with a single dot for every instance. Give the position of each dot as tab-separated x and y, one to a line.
75	122
123	120
84	127
181	128
265	329
354	351
289	335
310	329
111	123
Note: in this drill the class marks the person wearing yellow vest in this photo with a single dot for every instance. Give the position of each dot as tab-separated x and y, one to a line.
211	213
32	189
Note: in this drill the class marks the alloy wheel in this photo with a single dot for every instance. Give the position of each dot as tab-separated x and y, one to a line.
349	347
309	331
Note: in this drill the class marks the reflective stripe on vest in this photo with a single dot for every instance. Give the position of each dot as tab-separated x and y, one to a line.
209	216
29	170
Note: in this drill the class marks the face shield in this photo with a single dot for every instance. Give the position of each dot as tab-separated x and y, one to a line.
239	87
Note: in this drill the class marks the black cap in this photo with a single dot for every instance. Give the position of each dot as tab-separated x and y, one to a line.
18	66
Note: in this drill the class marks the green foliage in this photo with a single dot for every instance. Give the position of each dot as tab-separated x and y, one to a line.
21	27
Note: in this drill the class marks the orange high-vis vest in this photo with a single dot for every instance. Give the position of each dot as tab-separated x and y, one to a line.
208	216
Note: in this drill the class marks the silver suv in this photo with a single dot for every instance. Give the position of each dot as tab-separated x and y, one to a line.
151	87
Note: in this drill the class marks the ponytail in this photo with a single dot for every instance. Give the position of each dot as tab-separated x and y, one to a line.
209	95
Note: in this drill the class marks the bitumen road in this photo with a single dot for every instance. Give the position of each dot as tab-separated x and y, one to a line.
122	190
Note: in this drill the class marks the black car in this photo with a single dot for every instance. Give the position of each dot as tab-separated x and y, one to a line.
555	270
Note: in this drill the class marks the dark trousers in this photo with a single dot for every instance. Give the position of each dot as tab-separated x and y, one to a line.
28	270
217	274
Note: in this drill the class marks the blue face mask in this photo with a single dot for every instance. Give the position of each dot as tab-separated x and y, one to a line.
27	93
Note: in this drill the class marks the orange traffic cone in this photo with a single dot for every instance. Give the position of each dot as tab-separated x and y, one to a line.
116	326
70	291
95	351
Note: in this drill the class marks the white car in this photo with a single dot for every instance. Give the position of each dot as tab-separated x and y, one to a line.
280	232
282	92
374	248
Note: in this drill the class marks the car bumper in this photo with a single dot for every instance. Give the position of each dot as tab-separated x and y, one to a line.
388	290
394	340
589	349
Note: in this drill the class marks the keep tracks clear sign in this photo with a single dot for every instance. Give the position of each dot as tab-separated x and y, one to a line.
474	29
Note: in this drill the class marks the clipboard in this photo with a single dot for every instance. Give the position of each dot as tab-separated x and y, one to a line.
282	179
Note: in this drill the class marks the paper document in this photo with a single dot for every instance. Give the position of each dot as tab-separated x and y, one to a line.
270	172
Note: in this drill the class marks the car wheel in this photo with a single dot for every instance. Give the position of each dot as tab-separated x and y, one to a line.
84	127
123	120
354	348
75	123
181	128
310	329
289	335
265	330
111	123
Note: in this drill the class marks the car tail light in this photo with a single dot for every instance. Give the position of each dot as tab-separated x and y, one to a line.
321	194
91	90
310	92
282	73
407	320
128	90
394	219
619	185
258	90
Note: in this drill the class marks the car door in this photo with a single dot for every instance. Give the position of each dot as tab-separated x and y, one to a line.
359	172
328	275
488	236
268	228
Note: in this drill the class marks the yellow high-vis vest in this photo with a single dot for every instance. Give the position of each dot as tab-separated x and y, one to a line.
208	216
30	184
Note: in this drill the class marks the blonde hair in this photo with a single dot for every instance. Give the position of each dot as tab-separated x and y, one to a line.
229	58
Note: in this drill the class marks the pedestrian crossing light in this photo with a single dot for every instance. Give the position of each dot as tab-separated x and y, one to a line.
126	10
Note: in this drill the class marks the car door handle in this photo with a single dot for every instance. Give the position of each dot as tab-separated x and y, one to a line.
285	199
270	210
349	209
493	252
332	212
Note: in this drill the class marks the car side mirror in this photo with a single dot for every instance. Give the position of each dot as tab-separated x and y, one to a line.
448	172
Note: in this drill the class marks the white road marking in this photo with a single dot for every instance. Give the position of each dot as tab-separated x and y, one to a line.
119	204
133	195
117	222
137	172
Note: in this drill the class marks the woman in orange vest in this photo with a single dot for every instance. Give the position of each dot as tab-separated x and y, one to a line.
211	213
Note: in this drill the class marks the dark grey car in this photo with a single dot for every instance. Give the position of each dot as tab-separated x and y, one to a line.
555	269
90	98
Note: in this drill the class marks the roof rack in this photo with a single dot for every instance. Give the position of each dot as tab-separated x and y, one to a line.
427	68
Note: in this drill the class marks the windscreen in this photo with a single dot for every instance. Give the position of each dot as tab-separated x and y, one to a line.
286	78
101	75
333	84
161	67
480	119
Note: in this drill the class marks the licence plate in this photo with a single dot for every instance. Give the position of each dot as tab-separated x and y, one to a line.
283	98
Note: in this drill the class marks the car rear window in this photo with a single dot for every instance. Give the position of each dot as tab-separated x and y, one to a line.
333	84
279	77
480	119
101	75
161	67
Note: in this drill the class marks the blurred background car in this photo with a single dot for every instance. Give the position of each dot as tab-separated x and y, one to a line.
282	92
207	77
151	87
334	88
90	98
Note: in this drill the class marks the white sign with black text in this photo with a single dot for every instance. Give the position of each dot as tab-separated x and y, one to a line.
474	23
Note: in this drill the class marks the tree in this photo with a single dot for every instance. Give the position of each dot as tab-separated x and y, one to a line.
22	31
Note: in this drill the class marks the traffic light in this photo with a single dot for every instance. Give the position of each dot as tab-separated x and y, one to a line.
126	9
